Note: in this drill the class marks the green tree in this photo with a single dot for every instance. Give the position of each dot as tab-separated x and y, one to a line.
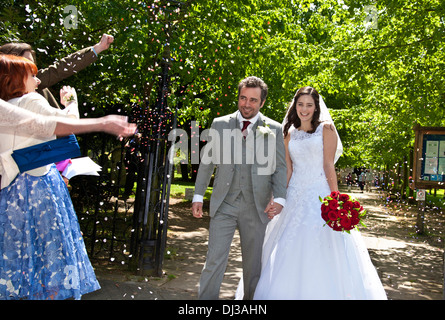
378	64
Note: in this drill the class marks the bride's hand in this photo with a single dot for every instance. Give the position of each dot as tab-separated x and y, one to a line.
273	209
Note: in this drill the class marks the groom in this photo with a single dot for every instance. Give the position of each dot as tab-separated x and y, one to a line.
243	189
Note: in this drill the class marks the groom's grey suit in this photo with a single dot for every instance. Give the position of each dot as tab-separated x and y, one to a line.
241	192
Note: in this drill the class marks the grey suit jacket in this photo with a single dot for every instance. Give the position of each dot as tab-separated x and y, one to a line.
266	136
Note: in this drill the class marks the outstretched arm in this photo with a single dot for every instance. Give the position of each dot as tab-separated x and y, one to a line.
46	126
73	63
111	124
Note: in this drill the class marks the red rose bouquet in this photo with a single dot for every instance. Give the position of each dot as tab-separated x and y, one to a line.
341	212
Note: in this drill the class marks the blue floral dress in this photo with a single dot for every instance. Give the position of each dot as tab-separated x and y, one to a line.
42	252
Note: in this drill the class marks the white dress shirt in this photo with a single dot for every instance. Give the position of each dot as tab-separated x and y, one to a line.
199	197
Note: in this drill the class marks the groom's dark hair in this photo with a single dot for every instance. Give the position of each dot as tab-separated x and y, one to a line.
254	82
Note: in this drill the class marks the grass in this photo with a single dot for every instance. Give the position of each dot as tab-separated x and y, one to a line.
177	189
438	200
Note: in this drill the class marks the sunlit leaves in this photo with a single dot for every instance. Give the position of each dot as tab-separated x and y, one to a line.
378	64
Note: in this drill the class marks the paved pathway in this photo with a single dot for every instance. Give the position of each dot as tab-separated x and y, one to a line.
409	268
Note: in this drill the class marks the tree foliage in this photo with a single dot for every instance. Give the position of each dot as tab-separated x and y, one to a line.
378	64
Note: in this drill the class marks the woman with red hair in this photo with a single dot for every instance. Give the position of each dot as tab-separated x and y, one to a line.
14	72
42	253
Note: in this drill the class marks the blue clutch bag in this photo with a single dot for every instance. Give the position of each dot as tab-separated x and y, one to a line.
41	154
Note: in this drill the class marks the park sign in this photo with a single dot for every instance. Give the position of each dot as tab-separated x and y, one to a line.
429	158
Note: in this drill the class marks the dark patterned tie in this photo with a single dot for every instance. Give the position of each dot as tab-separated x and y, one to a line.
243	130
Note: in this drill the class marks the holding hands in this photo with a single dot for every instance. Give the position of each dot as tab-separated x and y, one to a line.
273	209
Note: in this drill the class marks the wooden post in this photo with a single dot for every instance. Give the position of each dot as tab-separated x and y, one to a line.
420	224
431	179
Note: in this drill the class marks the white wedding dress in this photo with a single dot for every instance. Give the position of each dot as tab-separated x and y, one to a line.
302	258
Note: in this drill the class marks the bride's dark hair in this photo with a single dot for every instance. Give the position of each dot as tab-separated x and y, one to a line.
292	117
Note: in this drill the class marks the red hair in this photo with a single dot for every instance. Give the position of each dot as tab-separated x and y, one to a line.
14	71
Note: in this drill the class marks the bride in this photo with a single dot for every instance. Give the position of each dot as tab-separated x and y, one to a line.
302	258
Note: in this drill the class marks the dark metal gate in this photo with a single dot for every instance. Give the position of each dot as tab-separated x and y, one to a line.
155	174
121	225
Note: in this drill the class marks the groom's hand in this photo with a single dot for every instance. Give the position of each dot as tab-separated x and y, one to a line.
273	209
197	209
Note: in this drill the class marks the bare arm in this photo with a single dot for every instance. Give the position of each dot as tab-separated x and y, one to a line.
329	148
288	159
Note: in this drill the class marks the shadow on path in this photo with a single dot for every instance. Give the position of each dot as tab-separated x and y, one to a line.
410	267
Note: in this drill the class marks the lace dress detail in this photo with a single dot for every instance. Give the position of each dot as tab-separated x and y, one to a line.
306	151
42	252
13	117
307	183
303	259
